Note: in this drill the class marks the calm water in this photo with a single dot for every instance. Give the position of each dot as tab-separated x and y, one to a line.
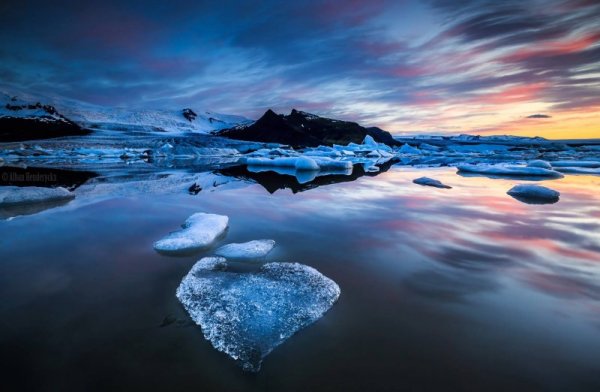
461	289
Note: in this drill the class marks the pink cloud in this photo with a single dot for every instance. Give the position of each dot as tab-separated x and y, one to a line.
554	48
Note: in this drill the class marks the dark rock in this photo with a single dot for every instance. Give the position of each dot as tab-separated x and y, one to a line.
214	120
18	129
301	129
49	125
189	114
194	189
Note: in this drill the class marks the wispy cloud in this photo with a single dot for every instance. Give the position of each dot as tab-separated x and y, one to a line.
443	66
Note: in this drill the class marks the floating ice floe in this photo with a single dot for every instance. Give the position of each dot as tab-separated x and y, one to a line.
509	170
247	250
540	163
247	314
198	231
579	170
14	195
431	182
300	163
156	184
534	194
588	164
368	144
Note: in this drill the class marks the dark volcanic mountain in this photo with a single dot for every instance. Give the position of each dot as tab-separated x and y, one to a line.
303	129
22	121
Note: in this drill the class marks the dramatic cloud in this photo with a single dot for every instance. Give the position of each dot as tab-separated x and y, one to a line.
539	116
407	66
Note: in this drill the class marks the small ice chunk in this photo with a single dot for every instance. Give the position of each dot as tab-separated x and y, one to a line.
534	194
540	163
509	170
408	149
247	314
247	250
14	195
198	231
431	182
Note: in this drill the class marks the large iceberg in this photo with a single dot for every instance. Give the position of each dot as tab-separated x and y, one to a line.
426	181
509	170
247	250
14	195
297	163
534	194
198	231
300	163
247	314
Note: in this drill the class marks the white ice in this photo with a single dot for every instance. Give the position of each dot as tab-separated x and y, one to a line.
408	149
540	163
298	163
301	163
247	314
14	195
509	170
247	250
198	231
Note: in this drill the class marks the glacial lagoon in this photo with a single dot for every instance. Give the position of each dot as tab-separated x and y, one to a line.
465	286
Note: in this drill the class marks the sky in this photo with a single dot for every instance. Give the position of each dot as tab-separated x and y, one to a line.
436	67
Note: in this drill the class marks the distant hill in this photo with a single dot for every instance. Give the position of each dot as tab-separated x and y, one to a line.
305	129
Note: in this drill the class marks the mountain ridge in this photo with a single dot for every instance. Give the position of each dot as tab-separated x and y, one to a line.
302	129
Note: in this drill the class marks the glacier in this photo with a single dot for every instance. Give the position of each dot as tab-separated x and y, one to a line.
247	314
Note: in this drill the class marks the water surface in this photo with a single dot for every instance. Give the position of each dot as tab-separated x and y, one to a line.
459	289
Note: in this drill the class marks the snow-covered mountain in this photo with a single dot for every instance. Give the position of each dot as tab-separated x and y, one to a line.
22	120
14	107
60	113
172	121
